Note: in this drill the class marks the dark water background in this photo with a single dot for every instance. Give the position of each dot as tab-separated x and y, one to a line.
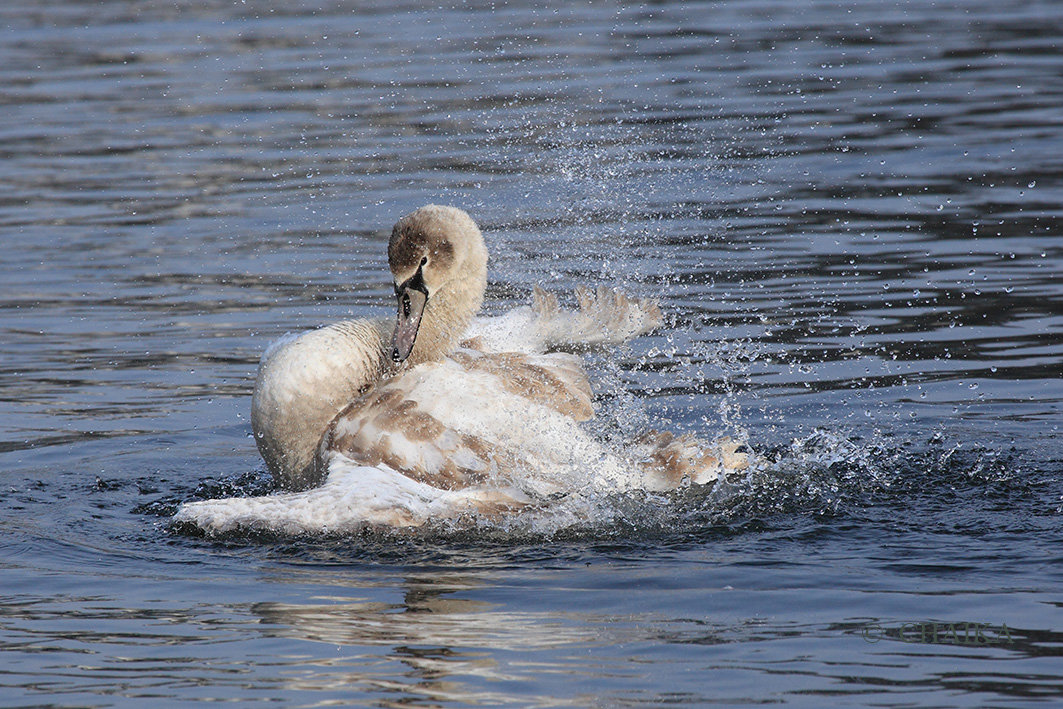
853	215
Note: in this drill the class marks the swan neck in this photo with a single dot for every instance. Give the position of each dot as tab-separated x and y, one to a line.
447	317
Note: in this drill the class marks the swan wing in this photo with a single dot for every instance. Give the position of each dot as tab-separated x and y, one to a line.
457	423
353	497
605	317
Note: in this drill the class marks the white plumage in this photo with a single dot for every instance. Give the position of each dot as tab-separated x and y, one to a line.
480	418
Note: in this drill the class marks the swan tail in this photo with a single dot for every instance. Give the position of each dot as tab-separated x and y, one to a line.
605	316
668	461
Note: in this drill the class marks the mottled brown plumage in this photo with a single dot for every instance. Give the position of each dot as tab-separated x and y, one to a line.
389	424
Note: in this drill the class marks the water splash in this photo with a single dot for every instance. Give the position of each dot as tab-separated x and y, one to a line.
824	475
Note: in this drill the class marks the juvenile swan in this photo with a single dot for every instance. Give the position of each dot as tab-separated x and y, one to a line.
442	413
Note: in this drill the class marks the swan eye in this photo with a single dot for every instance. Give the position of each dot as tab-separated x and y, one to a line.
424	260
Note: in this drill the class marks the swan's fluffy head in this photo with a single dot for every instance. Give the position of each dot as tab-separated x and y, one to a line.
437	256
443	243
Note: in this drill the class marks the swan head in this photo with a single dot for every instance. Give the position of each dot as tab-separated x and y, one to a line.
439	262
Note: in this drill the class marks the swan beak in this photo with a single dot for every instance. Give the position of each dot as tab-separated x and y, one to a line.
411	308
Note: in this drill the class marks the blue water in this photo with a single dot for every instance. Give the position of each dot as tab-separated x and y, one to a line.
851	216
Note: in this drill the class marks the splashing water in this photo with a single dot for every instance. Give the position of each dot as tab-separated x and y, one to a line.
825	475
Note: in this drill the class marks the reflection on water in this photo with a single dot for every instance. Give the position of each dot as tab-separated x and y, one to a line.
439	639
435	639
853	218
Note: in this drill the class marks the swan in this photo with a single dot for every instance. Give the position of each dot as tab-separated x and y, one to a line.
440	413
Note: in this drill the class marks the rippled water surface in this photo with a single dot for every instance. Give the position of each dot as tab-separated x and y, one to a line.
852	215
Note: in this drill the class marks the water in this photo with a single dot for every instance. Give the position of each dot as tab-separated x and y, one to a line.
852	216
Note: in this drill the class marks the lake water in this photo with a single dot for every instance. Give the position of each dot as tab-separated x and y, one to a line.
853	217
